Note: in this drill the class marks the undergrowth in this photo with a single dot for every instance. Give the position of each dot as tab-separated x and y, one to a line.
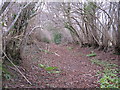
6	70
57	38
109	74
6	74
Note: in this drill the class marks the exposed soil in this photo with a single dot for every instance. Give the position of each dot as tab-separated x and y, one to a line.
77	71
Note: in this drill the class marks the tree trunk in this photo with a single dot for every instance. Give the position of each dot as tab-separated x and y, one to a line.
117	47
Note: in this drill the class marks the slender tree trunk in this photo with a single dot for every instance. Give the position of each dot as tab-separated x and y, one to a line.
117	47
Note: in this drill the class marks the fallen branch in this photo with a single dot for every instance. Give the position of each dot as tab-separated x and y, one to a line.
16	68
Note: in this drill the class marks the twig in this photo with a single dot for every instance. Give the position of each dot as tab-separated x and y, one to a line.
17	68
56	54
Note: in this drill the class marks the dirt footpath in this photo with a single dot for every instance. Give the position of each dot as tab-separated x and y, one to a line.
77	71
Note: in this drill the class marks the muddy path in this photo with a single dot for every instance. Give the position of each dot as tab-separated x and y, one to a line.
76	69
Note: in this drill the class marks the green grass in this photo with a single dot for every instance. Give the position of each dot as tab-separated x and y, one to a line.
109	77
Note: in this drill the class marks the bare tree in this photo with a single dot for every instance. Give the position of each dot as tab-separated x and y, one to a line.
13	38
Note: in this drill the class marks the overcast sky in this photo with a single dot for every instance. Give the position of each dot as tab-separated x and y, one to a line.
59	0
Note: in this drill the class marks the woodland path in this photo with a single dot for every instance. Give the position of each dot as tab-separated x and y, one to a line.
77	71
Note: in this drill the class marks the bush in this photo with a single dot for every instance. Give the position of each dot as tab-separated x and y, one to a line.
57	38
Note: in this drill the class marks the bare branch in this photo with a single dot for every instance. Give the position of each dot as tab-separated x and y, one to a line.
4	7
10	27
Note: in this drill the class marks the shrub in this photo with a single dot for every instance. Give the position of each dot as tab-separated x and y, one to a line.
57	38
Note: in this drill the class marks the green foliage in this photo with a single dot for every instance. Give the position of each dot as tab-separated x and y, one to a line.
109	79
15	27
109	74
6	74
116	53
89	7
41	65
103	63
49	69
46	51
33	11
91	55
57	38
3	24
14	16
